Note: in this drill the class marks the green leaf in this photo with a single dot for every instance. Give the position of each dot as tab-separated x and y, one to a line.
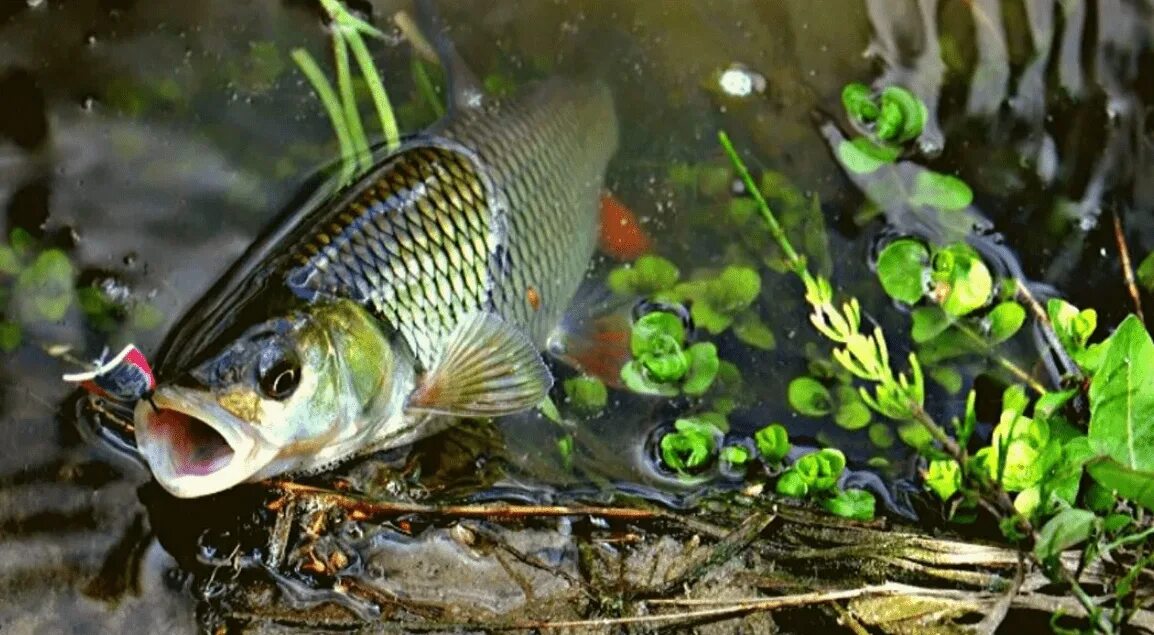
962	281
1068	528
914	435
43	290
881	435
635	378
741	209
735	455
808	397
714	180
9	263
1049	404
821	470
929	322
735	289
772	442
902	117
791	484
703	366
860	104
851	413
941	191
709	318
901	270
691	446
587	394
648	275
944	478
862	156
751	330
22	242
1145	272
1122	399
947	377
1133	485
1074	328
1004	321
10	335
565	449
856	504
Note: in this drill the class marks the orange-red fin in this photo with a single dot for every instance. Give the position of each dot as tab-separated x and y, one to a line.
622	236
594	336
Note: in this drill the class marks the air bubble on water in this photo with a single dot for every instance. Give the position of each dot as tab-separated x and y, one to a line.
35	3
115	290
740	81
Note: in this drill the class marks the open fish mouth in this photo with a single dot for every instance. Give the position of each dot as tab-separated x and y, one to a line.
193	446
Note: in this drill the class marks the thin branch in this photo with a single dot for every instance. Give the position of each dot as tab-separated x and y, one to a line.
1127	267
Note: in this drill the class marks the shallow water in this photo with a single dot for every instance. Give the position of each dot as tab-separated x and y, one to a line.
154	140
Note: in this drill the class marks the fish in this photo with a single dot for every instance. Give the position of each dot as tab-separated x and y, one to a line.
384	312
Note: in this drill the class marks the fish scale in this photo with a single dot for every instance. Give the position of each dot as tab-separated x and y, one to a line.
501	206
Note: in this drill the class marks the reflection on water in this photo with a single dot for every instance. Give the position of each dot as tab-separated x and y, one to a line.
152	141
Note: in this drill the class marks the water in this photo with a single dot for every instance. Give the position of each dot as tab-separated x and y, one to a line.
153	141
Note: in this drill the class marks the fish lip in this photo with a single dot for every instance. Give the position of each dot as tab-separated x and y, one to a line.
247	452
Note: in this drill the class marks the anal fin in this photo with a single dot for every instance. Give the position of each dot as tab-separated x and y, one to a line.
489	368
594	335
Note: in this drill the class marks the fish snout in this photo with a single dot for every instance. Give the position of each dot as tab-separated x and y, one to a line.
194	449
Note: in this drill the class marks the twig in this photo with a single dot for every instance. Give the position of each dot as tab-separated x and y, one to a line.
364	509
1127	267
1014	369
1023	292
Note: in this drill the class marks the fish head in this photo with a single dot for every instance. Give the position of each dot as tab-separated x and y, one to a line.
291	394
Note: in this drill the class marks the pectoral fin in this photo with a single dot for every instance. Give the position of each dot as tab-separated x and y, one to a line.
488	369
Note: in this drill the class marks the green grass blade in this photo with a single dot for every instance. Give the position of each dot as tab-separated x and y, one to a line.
376	89
360	143
328	97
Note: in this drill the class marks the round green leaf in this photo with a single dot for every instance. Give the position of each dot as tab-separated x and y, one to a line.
964	282
772	442
929	322
856	504
1005	320
851	413
703	366
634	377
586	393
751	330
881	435
944	478
791	484
862	156
808	397
735	455
901	269
942	191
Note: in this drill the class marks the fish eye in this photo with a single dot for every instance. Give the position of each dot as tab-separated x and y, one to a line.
280	377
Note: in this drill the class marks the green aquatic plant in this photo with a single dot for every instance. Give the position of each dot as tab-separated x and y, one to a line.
772	443
893	116
718	301
648	276
663	363
693	443
814	476
586	394
341	104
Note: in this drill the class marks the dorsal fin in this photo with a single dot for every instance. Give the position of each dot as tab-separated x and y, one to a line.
465	92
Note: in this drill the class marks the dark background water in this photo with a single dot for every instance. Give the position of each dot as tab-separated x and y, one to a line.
153	140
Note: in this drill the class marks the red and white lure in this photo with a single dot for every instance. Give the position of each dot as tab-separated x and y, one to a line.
125	377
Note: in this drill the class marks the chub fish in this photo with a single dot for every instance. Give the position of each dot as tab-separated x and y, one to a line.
420	294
